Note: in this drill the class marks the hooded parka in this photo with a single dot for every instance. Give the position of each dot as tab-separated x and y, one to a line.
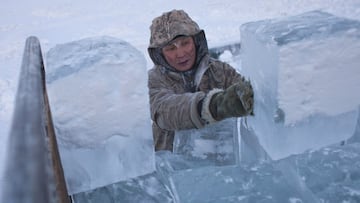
179	100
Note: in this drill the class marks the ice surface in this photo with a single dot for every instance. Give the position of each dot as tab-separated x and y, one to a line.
143	189
99	101
330	174
305	71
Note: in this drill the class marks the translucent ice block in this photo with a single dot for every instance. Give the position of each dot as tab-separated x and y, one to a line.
306	75
99	99
214	145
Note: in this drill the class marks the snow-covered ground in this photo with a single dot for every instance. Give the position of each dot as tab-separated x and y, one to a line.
57	22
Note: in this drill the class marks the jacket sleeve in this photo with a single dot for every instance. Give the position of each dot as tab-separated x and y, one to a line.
219	77
171	110
227	74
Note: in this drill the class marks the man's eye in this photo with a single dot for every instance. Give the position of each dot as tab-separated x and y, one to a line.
185	42
171	47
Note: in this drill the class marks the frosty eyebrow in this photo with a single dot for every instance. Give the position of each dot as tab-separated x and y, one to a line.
176	43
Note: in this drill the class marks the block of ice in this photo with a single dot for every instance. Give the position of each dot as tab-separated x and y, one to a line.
305	72
214	145
99	100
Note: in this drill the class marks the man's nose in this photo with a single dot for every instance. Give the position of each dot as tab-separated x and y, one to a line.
180	52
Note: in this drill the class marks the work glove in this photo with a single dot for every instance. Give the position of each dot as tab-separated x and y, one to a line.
235	101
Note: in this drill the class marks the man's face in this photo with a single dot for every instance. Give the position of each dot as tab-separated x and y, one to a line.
180	53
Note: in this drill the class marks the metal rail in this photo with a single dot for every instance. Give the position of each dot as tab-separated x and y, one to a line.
33	171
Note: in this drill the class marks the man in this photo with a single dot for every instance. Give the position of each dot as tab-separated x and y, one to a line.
187	88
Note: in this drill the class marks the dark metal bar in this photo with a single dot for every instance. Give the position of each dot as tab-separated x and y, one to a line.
33	171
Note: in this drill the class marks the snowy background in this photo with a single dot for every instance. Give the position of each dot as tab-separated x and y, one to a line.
64	21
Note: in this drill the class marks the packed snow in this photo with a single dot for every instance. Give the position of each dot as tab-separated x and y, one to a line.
66	21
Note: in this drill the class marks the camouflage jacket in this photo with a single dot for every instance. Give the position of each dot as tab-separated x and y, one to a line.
173	107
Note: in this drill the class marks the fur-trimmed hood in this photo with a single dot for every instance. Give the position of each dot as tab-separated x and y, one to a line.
167	27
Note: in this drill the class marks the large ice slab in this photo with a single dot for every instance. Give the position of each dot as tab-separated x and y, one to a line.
329	174
98	95
306	75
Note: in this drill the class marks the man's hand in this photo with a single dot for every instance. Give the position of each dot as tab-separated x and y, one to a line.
246	95
237	100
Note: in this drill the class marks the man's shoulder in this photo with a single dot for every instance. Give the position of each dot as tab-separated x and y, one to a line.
154	70
161	73
219	64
